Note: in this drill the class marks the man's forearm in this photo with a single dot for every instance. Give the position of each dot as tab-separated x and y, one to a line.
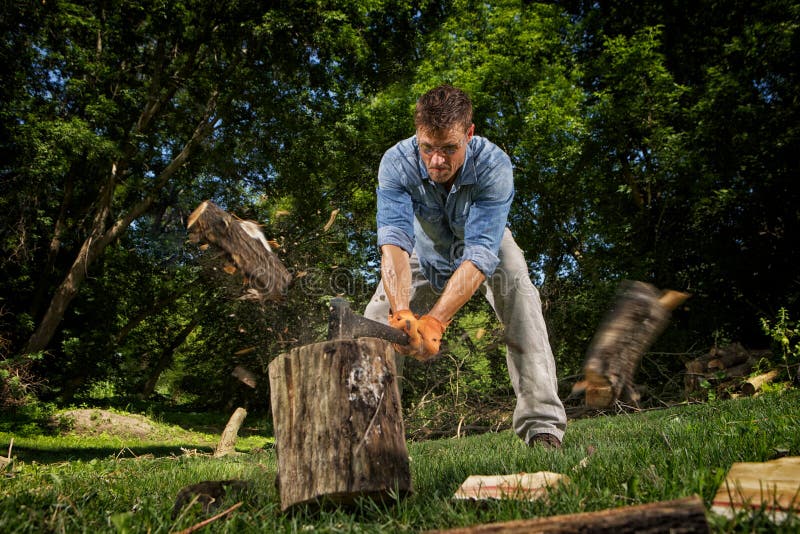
396	276
459	289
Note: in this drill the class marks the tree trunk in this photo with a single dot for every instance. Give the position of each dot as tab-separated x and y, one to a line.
68	289
338	423
680	516
227	442
102	235
166	358
55	246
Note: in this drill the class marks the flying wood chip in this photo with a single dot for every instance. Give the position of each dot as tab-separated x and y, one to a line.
244	244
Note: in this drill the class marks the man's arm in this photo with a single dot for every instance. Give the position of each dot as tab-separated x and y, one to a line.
459	289
396	276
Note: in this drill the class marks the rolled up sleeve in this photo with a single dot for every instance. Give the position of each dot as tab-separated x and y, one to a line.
483	258
395	213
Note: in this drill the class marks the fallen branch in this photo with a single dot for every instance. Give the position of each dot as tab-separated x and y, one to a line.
210	520
6	462
227	442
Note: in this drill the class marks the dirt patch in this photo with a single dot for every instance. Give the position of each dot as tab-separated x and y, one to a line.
93	422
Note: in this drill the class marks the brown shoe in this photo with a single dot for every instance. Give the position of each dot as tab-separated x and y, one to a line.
548	441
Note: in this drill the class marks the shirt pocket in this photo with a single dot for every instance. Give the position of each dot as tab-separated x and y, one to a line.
460	215
427	213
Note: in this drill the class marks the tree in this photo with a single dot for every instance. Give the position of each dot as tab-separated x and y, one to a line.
715	149
116	115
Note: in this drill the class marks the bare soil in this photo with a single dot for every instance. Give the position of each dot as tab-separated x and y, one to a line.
93	422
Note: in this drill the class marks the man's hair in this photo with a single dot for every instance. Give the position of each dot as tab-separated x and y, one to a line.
443	108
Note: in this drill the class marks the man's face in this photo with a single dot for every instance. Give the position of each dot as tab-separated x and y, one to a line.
443	152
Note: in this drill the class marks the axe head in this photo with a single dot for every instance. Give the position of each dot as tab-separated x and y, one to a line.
344	324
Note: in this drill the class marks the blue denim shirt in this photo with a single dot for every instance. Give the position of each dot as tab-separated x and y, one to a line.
445	228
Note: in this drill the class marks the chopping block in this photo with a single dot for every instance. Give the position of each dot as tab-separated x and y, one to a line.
339	432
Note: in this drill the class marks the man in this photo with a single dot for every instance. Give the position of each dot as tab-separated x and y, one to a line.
443	201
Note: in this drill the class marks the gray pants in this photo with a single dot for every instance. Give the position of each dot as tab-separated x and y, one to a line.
515	300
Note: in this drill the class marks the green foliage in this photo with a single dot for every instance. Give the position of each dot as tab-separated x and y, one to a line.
783	332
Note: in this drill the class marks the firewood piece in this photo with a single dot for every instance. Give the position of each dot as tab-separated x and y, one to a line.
743	369
638	317
696	371
245	245
227	442
246	376
685	516
339	430
517	486
773	486
754	384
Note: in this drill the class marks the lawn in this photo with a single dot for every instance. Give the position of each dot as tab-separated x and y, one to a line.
106	483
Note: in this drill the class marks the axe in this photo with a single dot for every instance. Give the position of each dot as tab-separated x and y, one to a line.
344	324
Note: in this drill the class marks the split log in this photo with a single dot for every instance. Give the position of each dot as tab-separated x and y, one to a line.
227	442
245	246
639	315
339	432
685	516
771	487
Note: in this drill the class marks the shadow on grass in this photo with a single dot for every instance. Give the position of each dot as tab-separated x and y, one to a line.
50	455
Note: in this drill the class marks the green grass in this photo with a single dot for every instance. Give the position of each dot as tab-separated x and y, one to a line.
105	484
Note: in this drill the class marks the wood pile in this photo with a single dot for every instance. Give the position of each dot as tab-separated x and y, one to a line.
727	369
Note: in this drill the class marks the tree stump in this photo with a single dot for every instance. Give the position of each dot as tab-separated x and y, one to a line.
339	431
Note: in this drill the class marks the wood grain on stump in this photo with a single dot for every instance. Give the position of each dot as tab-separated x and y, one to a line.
338	423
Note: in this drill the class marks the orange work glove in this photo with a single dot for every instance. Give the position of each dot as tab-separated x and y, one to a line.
406	321
430	330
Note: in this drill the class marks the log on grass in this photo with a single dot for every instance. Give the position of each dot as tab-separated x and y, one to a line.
227	442
640	314
680	516
754	384
339	432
